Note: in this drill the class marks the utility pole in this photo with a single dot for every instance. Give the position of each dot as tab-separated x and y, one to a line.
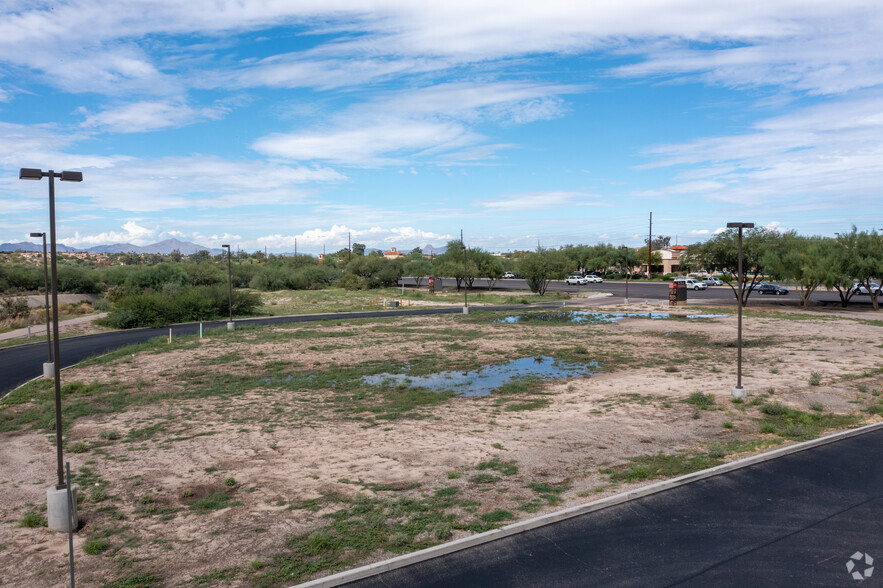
295	246
650	246
349	247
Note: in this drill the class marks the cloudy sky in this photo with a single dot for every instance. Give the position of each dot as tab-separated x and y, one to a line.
402	122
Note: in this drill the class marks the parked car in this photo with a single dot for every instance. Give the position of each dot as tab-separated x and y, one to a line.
862	289
712	281
576	281
594	279
691	283
509	276
765	288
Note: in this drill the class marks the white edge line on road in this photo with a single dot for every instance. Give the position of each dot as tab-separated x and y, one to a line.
574	511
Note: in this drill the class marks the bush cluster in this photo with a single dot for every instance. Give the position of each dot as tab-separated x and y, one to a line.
184	304
12	308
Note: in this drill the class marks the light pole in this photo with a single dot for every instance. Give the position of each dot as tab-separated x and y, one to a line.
230	325
48	368
738	391
61	513
628	273
465	286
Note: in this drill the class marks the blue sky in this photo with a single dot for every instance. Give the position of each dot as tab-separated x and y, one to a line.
402	122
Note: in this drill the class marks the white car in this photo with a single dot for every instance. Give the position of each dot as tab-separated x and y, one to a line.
593	279
691	283
508	276
576	281
862	289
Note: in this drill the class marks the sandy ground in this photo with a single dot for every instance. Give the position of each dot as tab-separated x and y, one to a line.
282	447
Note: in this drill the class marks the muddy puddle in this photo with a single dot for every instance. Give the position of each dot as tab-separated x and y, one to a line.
486	379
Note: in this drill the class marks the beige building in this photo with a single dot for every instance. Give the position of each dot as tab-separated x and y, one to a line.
393	254
670	260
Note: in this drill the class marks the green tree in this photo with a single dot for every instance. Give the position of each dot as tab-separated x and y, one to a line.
417	267
358	249
799	259
489	267
542	266
721	253
864	258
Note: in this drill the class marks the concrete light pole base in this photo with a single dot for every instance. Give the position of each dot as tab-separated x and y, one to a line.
739	392
465	310
625	300
58	511
231	326
48	369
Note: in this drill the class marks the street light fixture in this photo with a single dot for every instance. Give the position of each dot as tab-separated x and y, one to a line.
48	369
62	514
738	391
230	325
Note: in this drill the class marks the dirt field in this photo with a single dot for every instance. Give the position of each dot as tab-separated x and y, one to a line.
261	458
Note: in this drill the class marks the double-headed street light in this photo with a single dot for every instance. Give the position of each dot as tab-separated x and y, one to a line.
230	325
62	514
738	390
48	369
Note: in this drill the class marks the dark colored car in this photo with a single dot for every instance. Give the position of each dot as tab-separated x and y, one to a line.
771	289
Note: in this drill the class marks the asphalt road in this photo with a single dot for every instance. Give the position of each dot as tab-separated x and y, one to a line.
791	521
25	362
639	290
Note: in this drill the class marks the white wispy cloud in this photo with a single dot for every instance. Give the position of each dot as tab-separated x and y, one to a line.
812	45
336	237
426	123
832	149
150	116
538	201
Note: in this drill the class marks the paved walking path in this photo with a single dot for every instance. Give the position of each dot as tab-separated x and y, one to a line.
40	330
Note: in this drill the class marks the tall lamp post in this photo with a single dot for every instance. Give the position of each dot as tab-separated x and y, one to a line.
738	391
48	368
61	508
465	286
628	274
230	325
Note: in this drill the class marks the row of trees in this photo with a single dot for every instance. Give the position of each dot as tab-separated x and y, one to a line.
809	262
837	264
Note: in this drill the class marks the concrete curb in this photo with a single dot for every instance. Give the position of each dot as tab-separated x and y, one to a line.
574	511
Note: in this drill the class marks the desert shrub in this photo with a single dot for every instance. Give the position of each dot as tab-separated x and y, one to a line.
12	308
156	276
32	519
206	274
24	277
78	280
102	305
701	400
118	292
194	303
242	275
272	278
774	409
353	282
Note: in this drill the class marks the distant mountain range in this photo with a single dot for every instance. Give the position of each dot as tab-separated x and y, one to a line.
163	247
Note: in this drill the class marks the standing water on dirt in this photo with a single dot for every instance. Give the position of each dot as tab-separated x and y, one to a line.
488	378
584	317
